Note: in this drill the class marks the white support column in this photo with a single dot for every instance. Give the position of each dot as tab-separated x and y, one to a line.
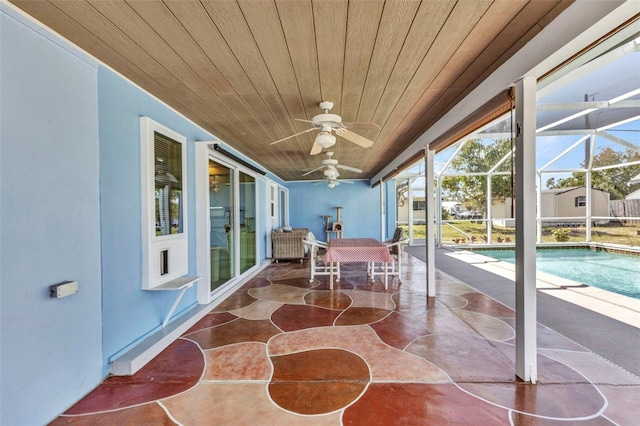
539	208
588	210
410	215
588	201
429	162
526	351
438	209
203	224
383	213
489	222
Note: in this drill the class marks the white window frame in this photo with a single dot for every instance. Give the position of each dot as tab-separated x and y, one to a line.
283	192
203	153
176	245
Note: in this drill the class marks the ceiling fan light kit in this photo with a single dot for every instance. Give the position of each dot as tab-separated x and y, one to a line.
330	172
325	139
330	124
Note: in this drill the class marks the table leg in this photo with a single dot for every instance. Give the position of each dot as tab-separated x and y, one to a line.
331	275
386	285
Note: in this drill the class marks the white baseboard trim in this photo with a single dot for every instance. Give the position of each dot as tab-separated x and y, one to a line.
138	356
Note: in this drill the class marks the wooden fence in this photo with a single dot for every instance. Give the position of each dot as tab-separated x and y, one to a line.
625	208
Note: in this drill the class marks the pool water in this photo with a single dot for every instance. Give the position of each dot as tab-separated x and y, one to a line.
617	273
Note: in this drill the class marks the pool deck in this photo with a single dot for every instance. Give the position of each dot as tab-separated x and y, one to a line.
622	308
604	322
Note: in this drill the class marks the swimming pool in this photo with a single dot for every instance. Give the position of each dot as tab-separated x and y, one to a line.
617	273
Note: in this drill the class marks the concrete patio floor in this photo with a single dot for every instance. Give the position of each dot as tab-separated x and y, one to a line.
283	351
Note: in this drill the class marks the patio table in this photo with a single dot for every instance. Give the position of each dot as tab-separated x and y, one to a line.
356	250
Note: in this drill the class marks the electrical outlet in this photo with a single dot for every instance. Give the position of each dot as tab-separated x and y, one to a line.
64	289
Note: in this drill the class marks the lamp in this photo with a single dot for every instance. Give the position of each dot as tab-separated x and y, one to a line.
330	173
214	184
325	139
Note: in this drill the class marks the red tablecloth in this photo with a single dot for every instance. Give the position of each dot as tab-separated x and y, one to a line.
357	250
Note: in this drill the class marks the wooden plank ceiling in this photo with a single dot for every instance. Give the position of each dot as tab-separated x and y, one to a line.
245	70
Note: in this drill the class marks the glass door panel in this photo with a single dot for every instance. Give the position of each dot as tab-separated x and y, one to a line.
247	204
221	207
283	208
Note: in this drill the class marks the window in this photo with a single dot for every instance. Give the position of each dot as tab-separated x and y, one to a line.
581	201
419	205
168	184
164	204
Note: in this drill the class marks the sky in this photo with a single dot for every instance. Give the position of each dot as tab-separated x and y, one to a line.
614	76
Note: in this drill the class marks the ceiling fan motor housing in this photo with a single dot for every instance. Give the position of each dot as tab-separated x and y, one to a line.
326	119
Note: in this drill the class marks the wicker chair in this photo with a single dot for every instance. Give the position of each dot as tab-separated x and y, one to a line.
288	245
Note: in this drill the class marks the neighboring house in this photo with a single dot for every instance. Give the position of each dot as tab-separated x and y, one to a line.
561	204
420	208
419	211
569	203
635	195
556	203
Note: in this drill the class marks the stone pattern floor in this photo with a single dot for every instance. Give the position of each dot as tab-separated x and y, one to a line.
284	351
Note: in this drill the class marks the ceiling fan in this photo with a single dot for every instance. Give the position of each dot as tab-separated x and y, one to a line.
331	167
330	172
328	124
332	183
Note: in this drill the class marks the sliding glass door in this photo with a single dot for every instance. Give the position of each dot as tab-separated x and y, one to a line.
221	220
232	222
247	204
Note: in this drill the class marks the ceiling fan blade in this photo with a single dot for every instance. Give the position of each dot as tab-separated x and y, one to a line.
362	125
292	136
313	170
315	149
356	138
351	169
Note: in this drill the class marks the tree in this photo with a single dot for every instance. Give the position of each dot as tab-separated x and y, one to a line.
551	183
615	180
478	157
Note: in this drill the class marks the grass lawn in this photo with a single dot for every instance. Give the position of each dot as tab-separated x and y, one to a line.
626	234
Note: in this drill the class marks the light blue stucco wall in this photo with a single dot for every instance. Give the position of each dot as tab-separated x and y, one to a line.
70	210
308	202
50	349
130	313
